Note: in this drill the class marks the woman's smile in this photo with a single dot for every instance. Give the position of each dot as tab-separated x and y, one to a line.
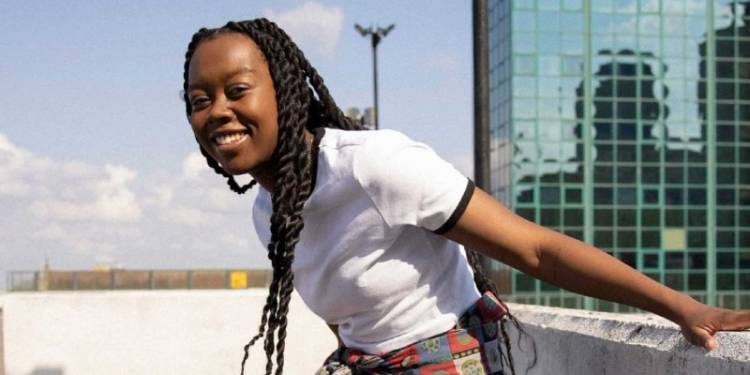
227	139
230	140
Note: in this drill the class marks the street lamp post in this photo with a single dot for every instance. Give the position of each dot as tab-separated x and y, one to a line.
375	34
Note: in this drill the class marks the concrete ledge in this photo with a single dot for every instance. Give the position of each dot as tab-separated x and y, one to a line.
583	342
202	332
2	351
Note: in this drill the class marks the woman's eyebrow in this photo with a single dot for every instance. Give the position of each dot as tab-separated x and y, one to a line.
239	71
235	72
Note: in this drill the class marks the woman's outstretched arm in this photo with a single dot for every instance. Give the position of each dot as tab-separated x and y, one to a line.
487	226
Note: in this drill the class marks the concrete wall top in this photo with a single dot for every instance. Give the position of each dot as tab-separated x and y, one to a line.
203	331
586	342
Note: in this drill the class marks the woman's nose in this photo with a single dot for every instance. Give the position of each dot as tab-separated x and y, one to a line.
220	111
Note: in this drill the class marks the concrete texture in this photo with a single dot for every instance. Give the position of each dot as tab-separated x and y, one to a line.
2	351
583	342
203	331
150	332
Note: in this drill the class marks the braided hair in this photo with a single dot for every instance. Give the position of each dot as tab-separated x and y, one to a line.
304	103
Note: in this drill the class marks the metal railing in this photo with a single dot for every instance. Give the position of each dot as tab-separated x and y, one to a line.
27	281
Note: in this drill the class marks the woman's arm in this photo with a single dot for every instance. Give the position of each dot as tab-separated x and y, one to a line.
489	227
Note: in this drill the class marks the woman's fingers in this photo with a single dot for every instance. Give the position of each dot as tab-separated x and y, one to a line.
707	340
736	321
700	336
701	331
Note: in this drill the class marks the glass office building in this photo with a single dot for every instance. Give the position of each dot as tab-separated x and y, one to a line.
626	124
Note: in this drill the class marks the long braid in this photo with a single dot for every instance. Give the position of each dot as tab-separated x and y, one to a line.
288	196
332	112
302	163
230	179
303	102
484	284
480	279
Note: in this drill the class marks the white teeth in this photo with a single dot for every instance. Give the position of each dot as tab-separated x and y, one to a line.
229	138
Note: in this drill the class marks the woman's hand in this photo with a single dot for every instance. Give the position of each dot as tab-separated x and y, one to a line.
702	322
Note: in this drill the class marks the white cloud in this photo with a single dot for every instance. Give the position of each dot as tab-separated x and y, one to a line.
106	197
67	190
82	214
190	216
313	26
234	240
13	188
194	164
11	157
11	163
88	247
52	231
114	200
160	196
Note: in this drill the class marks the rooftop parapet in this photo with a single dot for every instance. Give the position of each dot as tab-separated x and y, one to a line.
584	342
202	332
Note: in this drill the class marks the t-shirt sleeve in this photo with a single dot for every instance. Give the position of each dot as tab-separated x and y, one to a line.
409	184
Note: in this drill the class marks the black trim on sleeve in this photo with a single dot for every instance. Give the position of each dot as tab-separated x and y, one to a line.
453	219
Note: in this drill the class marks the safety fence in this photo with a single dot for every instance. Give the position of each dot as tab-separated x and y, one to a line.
26	281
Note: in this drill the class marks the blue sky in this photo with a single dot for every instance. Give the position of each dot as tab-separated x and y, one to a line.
96	157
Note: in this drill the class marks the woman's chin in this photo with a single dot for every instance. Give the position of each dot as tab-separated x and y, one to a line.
235	166
237	170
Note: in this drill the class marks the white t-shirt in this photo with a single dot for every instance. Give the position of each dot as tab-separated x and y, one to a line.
369	259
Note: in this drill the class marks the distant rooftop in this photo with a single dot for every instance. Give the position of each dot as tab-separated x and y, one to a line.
122	279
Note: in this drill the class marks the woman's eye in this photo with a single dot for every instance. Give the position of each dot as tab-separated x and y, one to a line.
198	102
236	91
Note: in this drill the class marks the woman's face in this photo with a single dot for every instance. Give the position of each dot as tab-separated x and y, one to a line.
234	115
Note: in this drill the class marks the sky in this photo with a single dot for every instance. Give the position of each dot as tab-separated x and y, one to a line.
98	166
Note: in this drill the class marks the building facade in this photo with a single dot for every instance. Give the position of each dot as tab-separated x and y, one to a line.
626	124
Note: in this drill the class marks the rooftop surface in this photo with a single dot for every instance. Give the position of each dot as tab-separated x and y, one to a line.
203	331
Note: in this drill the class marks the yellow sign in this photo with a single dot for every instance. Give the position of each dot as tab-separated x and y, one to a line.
238	280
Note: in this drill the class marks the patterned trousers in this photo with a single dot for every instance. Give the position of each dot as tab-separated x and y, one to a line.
472	348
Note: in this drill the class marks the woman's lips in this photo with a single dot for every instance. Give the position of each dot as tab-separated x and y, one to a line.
229	141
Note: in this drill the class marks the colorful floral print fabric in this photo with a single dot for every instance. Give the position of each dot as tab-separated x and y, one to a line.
472	348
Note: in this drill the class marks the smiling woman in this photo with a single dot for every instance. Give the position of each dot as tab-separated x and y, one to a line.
254	102
368	226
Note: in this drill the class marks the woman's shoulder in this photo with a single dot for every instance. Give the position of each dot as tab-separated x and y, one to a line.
379	142
369	155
